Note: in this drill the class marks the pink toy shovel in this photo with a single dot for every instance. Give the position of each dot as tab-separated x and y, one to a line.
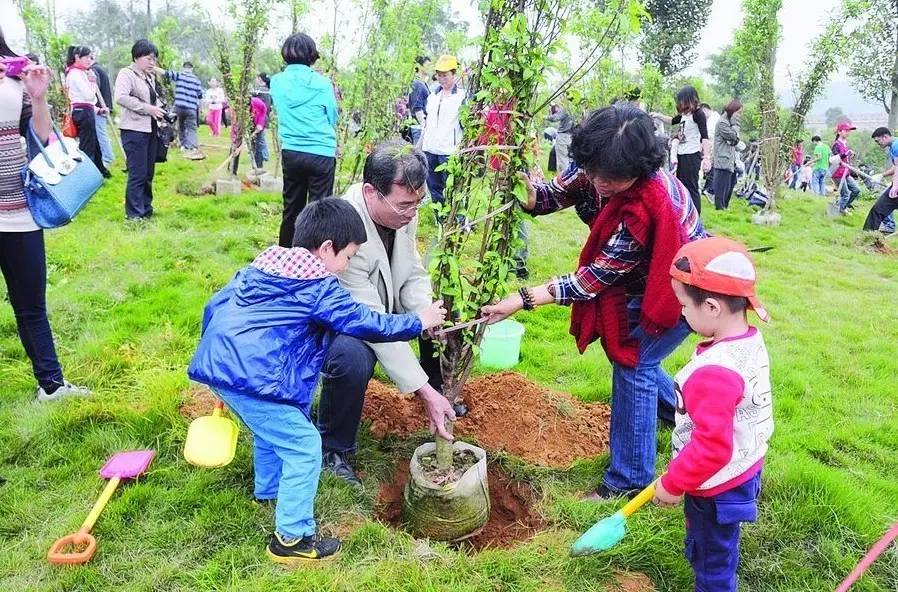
123	465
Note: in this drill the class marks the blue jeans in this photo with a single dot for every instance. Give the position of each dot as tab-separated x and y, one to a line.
794	169
635	396
713	528
848	192
818	181
103	137
415	132
436	181
286	458
23	264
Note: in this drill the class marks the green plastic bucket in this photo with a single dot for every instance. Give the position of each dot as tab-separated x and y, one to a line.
501	345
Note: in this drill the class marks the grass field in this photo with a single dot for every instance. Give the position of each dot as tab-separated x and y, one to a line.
125	303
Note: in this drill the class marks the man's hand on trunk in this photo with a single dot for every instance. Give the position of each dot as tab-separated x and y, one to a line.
438	409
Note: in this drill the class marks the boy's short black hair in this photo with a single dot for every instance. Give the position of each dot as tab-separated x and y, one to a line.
299	48
331	218
815	139
143	47
698	295
880	132
618	142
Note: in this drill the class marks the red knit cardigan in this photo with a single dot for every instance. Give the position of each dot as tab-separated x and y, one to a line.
649	214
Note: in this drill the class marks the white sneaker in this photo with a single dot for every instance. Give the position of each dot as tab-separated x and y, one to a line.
66	390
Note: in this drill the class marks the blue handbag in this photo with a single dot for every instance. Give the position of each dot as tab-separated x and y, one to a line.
59	181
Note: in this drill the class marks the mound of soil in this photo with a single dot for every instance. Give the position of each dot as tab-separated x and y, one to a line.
512	514
198	401
506	412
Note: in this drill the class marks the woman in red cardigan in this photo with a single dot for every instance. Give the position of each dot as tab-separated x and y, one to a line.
639	216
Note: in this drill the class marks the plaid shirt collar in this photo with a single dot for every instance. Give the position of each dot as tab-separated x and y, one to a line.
296	263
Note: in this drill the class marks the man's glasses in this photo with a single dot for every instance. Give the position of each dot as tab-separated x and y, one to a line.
407	209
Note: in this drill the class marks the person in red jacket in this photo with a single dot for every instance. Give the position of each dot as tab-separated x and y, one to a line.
639	216
724	409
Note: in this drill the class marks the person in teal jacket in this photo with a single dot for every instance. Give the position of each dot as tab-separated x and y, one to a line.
264	339
307	113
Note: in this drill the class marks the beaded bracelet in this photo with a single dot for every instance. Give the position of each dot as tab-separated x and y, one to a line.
527	298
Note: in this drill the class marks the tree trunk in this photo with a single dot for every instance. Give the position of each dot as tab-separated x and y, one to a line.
893	108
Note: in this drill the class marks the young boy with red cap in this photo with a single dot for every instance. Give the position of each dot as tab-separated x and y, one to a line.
724	409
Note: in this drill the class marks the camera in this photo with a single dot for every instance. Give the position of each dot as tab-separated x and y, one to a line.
170	117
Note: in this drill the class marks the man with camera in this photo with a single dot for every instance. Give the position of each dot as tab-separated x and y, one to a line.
188	92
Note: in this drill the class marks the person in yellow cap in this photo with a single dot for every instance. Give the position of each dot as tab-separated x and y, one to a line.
442	130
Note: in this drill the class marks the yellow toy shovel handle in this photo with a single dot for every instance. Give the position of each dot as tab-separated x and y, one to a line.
640	500
219	408
82	538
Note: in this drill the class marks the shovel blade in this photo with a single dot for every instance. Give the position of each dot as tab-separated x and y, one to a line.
603	535
211	442
127	465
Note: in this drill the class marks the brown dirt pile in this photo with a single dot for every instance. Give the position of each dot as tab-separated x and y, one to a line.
513	517
198	401
506	413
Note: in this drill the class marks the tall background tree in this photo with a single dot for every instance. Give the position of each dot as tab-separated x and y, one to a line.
873	66
731	76
669	38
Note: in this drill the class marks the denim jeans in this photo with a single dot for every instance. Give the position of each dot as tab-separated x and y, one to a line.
848	192
795	171
105	142
187	125
635	396
818	181
286	458
23	263
436	181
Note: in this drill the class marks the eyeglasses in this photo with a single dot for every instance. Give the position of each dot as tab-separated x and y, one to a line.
412	208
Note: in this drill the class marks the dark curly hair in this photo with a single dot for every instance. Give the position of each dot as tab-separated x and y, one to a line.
618	142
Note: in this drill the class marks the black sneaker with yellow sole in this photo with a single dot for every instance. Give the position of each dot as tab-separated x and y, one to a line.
308	549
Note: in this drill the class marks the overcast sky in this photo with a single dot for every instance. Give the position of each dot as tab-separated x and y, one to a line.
801	19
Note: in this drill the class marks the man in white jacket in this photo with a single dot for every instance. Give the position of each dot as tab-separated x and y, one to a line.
387	275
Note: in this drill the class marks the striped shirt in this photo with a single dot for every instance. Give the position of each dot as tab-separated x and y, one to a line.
188	89
15	115
623	260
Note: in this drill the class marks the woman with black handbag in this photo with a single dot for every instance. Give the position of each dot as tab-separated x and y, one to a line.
23	260
135	91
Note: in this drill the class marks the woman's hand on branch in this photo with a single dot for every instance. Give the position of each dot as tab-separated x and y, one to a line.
503	309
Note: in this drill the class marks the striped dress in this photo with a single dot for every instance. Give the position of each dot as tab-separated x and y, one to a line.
15	113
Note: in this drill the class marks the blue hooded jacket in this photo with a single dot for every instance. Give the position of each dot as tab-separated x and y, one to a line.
266	333
306	109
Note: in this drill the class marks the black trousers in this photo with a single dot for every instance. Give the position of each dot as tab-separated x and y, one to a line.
307	177
688	167
884	206
86	122
23	262
140	153
724	182
348	366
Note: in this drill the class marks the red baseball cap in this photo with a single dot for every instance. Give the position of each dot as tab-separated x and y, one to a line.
845	126
721	265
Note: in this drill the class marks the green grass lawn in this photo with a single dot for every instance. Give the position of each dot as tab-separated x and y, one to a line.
125	304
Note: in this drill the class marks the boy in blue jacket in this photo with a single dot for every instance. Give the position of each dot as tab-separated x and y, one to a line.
263	343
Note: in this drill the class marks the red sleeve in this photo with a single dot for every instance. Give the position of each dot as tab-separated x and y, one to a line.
710	396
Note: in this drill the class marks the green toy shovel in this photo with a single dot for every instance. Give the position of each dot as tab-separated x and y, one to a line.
609	531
